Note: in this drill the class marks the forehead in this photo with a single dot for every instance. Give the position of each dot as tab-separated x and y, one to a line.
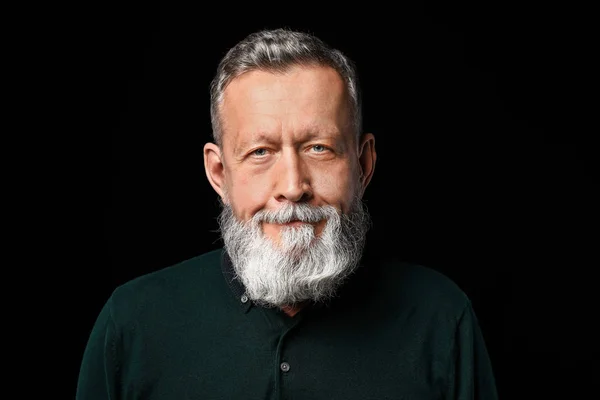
303	98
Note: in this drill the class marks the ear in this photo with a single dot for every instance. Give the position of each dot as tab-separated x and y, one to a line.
367	156
215	169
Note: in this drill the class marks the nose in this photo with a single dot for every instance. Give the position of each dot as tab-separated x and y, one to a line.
293	183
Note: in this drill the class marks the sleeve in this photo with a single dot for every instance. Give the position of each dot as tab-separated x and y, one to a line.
471	373
99	367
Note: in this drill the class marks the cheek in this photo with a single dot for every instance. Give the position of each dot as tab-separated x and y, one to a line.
248	194
335	185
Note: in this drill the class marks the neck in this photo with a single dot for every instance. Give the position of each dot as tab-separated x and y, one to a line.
291	311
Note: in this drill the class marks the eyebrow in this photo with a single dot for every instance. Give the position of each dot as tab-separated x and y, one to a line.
254	139
318	133
307	135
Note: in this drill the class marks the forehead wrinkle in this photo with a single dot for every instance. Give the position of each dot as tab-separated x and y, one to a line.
299	135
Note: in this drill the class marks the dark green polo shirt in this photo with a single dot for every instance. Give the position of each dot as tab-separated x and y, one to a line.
396	331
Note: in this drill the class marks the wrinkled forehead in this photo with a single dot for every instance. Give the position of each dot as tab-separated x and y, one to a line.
300	99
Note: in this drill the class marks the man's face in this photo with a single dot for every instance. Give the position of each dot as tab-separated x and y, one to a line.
288	138
291	174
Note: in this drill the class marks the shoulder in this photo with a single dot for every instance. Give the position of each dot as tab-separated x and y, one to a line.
417	286
187	280
418	280
179	271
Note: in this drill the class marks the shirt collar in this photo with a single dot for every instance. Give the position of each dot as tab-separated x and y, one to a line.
236	287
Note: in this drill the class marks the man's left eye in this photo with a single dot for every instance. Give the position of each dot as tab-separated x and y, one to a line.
318	148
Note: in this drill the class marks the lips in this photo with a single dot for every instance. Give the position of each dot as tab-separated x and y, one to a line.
295	222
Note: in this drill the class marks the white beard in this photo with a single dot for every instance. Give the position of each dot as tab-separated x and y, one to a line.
302	266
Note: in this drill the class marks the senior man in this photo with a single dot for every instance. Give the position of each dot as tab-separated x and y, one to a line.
289	308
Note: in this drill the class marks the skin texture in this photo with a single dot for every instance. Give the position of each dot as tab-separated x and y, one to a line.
287	138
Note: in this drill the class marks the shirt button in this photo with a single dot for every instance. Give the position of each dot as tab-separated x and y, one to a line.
285	367
244	299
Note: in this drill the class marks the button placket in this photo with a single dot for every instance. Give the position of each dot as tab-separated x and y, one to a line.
285	360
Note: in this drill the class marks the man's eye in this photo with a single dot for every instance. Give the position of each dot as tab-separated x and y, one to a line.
318	148
259	152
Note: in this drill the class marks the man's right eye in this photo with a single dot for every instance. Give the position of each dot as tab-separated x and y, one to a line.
259	152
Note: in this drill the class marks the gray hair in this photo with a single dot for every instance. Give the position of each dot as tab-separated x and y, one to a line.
276	51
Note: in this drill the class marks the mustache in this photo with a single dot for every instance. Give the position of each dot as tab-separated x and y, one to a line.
295	212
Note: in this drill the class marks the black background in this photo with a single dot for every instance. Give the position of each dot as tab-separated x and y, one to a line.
482	124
